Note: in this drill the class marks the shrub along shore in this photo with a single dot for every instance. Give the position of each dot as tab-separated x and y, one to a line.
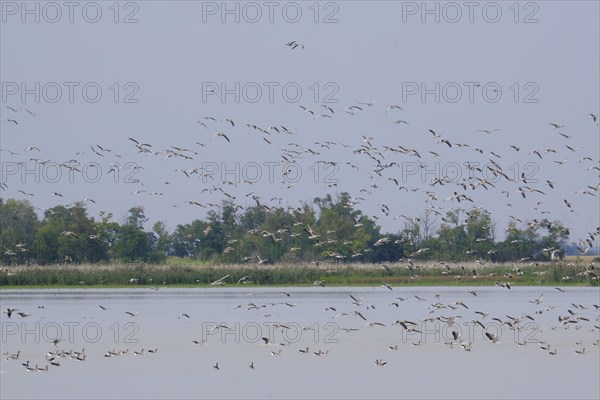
189	274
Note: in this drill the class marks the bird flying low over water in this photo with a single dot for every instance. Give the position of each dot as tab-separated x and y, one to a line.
294	44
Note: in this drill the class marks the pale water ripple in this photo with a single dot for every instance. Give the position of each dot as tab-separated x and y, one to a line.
181	369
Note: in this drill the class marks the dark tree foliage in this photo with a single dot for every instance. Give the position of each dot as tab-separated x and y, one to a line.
328	229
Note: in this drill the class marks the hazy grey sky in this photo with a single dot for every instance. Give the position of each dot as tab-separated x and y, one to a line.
454	67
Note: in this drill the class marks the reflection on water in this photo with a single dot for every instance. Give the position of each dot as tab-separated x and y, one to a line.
302	342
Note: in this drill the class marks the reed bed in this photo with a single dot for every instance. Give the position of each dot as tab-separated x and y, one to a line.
397	274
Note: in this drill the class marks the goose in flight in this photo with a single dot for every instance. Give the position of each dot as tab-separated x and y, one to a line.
216	327
537	300
267	340
372	324
10	311
261	261
327	108
369	103
380	363
224	136
356	301
141	146
310	232
220	281
358	313
488	131
492	337
293	44
306	110
69	233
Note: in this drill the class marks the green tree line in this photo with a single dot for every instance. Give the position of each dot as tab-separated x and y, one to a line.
328	229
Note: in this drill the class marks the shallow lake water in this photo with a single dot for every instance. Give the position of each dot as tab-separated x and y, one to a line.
424	361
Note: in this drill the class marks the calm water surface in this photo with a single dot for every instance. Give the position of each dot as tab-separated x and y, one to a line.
428	362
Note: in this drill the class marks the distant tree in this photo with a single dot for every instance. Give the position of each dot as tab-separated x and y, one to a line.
136	217
18	226
231	233
162	242
132	243
66	236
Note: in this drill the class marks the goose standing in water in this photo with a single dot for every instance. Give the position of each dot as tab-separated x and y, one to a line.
30	369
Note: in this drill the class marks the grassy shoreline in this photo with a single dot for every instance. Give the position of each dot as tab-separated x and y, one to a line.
394	274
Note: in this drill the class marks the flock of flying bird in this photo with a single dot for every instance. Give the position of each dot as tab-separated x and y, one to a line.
377	166
382	166
352	313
